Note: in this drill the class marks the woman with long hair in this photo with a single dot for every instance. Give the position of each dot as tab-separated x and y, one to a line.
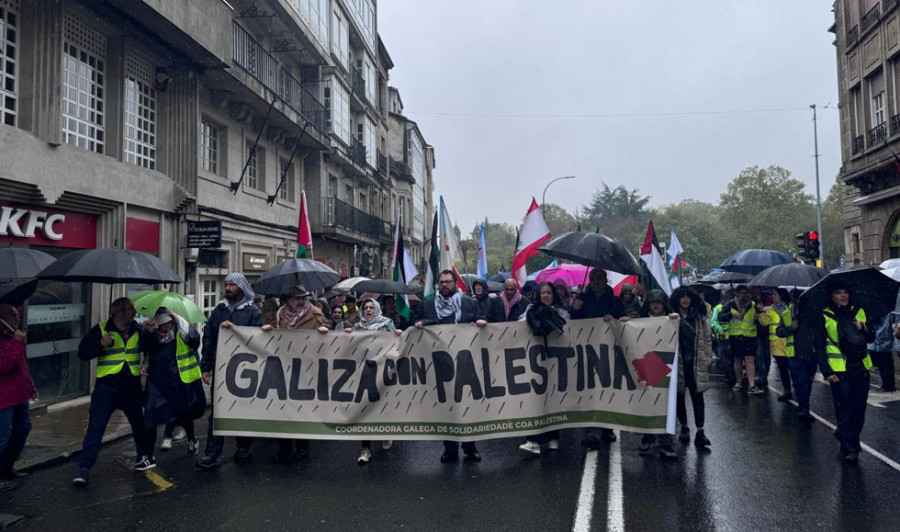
695	350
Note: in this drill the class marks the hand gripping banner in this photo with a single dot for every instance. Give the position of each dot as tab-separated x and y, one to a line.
446	382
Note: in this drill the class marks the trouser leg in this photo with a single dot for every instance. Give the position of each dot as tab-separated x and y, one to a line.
840	394
19	425
130	400
784	373
680	409
451	446
857	397
797	367
214	444
103	403
885	363
699	407
188	426
727	361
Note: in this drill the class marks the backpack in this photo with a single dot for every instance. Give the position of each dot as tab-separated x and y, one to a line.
852	340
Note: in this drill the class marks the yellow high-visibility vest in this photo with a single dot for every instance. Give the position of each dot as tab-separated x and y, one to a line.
836	359
110	362
188	365
744	325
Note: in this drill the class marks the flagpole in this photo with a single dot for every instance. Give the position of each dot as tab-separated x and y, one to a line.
818	196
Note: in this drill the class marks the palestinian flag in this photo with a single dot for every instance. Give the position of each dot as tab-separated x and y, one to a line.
304	234
654	274
434	261
404	270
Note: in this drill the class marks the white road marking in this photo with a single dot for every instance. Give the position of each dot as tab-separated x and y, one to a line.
615	515
586	494
828	424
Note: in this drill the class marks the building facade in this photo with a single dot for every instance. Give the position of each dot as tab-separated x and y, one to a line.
122	122
867	42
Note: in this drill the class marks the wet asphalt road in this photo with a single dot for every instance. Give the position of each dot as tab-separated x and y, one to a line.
764	472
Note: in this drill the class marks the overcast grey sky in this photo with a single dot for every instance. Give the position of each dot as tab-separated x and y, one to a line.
673	98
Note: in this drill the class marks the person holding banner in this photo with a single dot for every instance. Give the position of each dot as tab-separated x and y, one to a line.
509	305
482	298
174	391
695	353
236	308
297	313
450	306
371	319
548	301
656	305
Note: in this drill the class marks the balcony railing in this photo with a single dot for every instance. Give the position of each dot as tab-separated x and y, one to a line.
877	135
248	54
342	214
852	36
858	145
382	163
895	125
870	19
888	4
357	152
358	82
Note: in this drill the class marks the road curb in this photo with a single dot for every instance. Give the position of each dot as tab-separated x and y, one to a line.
47	461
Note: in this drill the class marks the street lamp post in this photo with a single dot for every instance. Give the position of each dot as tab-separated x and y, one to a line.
544	195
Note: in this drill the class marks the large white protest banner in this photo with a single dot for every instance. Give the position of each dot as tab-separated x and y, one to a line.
446	382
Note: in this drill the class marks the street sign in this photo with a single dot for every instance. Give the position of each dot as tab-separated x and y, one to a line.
207	234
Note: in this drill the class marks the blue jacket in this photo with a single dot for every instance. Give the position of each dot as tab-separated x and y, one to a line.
884	335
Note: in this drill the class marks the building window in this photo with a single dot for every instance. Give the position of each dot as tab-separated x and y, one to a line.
83	76
878	109
9	47
209	147
327	103
337	107
140	113
287	189
331	193
348	194
210	295
256	170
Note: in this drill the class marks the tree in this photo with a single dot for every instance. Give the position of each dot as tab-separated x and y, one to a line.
833	224
765	208
558	219
619	213
697	225
499	241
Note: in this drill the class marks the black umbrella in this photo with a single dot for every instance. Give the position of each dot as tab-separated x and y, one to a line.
500	277
730	278
794	274
592	249
22	263
17	291
753	261
109	265
710	294
312	274
869	289
382	286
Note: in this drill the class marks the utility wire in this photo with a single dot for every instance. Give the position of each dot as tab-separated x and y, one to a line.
610	115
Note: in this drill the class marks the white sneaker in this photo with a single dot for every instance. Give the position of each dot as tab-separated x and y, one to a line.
364	457
531	447
386	445
179	434
553	445
166	444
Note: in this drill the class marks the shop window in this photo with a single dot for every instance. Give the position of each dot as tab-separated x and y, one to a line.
9	47
84	52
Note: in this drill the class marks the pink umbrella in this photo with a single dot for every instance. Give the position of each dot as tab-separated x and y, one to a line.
572	274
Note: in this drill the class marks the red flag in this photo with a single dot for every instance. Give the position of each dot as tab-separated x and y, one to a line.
304	234
534	233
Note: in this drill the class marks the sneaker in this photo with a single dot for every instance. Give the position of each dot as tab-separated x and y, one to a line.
785	397
82	478
166	444
179	434
386	445
553	445
685	434
530	447
471	452
646	444
667	452
242	456
700	439
145	464
193	447
607	435
736	387
207	462
6	485
449	456
755	391
364	457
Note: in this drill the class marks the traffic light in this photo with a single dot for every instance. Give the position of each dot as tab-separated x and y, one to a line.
813	245
803	245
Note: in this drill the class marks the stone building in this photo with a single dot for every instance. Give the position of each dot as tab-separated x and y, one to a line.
124	121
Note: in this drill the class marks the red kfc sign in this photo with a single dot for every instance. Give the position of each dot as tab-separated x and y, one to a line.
47	227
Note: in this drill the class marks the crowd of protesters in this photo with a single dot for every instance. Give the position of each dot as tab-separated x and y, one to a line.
744	331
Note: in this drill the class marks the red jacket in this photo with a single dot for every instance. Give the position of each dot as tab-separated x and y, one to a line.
16	385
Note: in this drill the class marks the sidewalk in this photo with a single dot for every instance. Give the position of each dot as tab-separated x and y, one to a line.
57	434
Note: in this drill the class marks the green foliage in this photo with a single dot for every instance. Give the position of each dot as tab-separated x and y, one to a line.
833	223
697	225
619	213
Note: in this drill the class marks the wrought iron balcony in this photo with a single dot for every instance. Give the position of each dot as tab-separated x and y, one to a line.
341	214
870	19
895	125
877	135
250	56
852	36
358	82
858	145
358	152
382	163
888	5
